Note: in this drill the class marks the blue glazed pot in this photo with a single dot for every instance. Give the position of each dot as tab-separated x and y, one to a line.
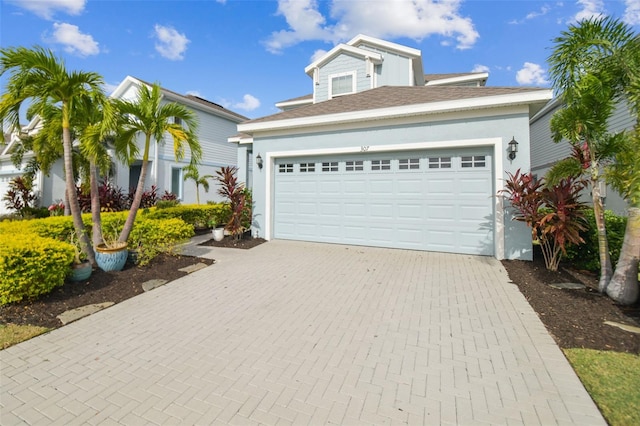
80	272
111	259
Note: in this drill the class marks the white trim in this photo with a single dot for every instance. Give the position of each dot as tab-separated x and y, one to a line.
460	79
496	143
387	45
353	75
400	111
299	102
375	57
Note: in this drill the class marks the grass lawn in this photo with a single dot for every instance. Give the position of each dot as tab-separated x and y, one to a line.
12	334
613	381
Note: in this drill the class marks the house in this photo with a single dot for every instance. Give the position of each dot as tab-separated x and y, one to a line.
545	152
216	124
381	154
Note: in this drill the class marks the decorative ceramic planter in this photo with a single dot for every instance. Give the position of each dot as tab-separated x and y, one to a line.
218	234
111	258
80	271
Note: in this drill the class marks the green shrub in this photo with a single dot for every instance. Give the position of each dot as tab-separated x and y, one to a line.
195	214
165	204
31	266
150	237
585	256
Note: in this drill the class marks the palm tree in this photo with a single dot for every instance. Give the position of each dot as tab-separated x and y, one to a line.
150	117
595	64
193	173
36	75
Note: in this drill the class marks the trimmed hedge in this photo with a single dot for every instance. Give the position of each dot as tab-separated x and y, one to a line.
31	266
38	261
585	255
199	215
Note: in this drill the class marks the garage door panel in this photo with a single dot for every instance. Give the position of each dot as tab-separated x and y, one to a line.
441	186
448	209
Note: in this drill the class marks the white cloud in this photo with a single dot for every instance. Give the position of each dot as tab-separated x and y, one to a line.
480	68
632	12
590	9
532	15
249	103
414	19
73	40
317	55
194	93
531	74
171	44
47	8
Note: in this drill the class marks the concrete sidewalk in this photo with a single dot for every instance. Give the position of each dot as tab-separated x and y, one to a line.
302	333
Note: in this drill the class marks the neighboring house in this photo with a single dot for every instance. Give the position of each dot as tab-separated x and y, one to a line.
545	152
381	154
216	124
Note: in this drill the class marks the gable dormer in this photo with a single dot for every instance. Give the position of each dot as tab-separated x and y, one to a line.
361	64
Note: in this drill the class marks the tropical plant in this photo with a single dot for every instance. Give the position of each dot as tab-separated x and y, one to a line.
20	195
193	173
233	190
150	117
595	64
36	75
554	214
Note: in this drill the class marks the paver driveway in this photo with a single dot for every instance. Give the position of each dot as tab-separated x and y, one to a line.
304	333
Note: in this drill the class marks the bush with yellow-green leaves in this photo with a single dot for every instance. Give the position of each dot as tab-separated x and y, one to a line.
31	266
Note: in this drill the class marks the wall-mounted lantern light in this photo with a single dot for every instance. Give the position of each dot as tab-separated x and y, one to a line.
259	161
513	149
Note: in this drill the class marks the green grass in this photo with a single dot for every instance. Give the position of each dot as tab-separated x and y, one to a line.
12	334
613	381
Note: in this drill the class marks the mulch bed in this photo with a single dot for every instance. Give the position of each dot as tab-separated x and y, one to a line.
575	318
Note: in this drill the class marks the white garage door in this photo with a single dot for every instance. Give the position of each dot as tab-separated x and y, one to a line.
430	200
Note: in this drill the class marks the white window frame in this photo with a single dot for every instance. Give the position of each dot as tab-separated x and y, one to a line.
180	181
342	74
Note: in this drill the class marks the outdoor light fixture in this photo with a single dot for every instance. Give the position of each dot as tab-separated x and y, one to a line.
513	148
259	161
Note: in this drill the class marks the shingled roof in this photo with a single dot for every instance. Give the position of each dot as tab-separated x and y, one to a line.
392	96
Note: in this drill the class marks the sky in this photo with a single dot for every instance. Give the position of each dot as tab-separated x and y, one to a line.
246	55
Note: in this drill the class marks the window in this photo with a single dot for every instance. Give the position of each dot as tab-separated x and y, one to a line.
342	84
380	164
330	166
473	161
176	182
355	166
177	120
307	167
439	162
409	163
285	168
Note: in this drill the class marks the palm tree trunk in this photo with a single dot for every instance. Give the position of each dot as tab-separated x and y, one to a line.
72	195
95	205
137	197
606	271
624	288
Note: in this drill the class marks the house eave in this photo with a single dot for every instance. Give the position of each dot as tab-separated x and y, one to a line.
479	77
401	111
376	58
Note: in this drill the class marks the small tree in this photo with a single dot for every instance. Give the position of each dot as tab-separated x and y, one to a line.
193	173
233	191
554	213
20	195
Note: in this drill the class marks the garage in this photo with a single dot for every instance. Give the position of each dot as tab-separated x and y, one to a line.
434	200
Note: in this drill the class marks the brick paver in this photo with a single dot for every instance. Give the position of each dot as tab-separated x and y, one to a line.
302	333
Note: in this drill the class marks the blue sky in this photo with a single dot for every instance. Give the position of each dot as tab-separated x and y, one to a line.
248	55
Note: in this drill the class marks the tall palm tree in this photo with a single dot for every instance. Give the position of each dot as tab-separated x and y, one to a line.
152	118
193	173
36	75
595	64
